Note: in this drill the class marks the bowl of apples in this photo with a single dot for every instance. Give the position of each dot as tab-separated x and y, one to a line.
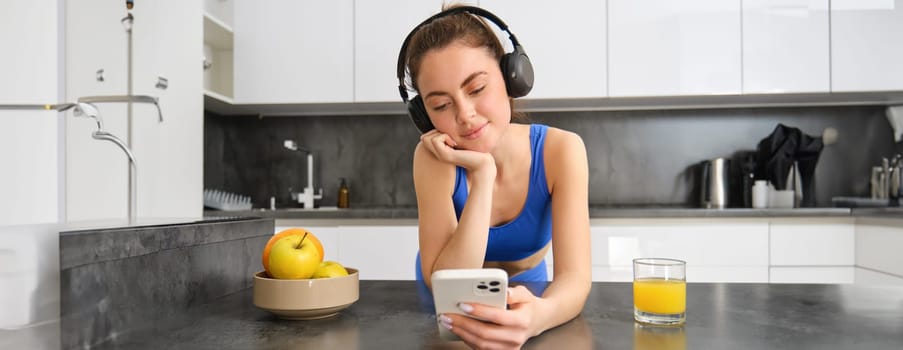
296	283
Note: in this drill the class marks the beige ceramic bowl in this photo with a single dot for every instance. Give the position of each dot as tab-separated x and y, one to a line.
305	299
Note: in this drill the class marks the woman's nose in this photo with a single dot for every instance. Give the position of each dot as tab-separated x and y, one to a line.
466	110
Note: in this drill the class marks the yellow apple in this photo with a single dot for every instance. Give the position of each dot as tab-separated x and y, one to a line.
329	269
294	257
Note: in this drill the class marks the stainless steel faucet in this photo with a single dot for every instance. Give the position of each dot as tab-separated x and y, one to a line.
88	110
307	196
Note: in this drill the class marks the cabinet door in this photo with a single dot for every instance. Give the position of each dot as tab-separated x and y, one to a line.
865	45
379	30
715	250
29	141
294	51
96	172
379	252
566	44
878	245
663	47
785	46
167	40
808	243
822	274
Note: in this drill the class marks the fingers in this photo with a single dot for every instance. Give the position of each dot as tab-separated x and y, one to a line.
495	315
485	335
439	144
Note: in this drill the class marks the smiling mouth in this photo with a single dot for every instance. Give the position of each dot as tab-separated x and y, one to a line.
475	133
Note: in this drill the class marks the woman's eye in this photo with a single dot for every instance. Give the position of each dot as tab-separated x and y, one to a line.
440	107
478	90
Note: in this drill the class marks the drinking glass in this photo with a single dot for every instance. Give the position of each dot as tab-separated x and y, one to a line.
659	291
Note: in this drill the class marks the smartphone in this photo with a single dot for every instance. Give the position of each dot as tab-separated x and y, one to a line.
473	286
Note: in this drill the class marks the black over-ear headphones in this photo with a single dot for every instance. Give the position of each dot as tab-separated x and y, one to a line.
515	65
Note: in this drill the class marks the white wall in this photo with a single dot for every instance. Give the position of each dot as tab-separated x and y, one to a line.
28	139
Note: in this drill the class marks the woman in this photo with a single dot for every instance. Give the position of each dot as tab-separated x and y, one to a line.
491	193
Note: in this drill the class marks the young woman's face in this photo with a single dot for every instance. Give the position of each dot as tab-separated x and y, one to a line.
464	94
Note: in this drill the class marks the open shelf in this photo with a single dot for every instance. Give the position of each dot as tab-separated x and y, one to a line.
216	33
218	56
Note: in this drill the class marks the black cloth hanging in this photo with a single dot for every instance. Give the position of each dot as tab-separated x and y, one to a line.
776	154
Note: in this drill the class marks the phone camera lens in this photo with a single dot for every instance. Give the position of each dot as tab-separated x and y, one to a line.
494	283
482	286
494	290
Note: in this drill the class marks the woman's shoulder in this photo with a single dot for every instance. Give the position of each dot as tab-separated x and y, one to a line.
564	154
560	140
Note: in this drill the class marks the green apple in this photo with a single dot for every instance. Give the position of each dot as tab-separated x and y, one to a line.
294	257
329	269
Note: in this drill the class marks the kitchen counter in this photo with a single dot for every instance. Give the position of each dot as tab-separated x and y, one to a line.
394	315
594	212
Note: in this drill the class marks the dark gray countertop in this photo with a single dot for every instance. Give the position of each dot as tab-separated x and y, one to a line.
594	212
394	315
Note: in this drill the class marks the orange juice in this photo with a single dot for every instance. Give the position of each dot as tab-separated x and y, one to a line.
660	296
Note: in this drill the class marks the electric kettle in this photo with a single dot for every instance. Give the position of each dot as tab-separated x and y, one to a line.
714	183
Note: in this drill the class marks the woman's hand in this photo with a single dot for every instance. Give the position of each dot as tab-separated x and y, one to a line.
503	329
443	147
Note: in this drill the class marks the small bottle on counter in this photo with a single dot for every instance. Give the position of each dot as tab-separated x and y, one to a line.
343	195
760	194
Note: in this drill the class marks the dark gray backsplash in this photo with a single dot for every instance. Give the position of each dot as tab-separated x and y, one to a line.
635	157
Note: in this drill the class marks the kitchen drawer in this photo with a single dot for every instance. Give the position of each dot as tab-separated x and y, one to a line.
878	245
695	274
808	243
379	252
701	242
821	274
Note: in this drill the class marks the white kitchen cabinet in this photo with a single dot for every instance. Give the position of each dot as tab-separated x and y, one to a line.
167	38
566	44
716	250
379	252
695	274
866	54
806	242
379	30
222	10
865	276
832	275
878	245
294	51
96	172
786	46
30	143
664	48
821	274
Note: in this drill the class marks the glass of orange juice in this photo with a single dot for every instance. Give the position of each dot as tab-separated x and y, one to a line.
660	291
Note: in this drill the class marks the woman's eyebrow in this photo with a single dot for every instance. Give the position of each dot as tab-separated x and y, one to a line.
464	83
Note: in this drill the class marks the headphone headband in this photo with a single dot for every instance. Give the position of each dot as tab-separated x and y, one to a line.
402	89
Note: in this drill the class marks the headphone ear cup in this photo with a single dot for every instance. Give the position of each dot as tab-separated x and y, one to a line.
418	115
518	72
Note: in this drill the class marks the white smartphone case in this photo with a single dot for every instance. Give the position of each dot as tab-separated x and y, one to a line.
472	286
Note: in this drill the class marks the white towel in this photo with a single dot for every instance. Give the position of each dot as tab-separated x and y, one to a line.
895	117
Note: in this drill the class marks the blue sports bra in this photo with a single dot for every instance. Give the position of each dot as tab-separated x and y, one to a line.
531	230
527	233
